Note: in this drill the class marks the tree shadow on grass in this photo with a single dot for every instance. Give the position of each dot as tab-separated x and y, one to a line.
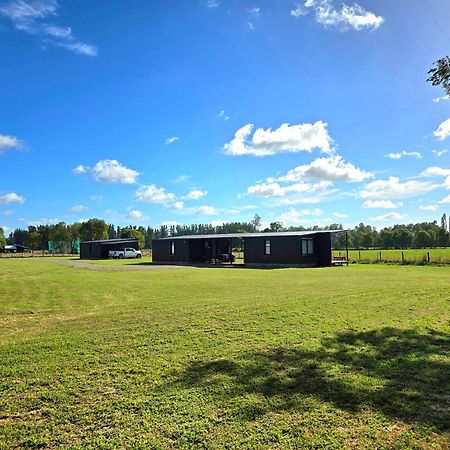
403	374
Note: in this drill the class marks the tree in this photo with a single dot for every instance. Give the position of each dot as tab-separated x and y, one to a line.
367	240
403	237
387	238
2	238
276	226
34	240
256	222
130	233
422	239
444	222
60	235
439	74
93	229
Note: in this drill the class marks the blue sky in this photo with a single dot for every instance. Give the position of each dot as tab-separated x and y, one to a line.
149	112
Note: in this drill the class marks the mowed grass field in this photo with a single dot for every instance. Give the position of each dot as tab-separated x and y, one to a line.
411	256
344	357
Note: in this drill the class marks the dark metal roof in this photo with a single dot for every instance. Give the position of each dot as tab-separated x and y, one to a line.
247	235
111	241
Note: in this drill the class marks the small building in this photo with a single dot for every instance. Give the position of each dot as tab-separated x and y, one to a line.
296	248
100	249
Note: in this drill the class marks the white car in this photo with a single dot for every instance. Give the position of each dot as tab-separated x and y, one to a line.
125	253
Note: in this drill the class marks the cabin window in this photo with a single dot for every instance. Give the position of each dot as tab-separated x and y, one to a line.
307	247
267	247
172	248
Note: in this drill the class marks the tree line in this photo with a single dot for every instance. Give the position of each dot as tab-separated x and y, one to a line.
65	236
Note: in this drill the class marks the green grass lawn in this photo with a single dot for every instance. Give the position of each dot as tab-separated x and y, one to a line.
355	357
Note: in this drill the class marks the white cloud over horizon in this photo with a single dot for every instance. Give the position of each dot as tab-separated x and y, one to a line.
286	138
153	194
79	208
109	171
402	154
206	210
392	216
195	194
382	204
393	188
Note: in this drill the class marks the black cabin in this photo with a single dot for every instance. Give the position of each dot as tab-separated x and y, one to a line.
100	249
300	249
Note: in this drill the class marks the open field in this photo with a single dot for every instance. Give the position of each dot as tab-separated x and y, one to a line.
355	357
411	256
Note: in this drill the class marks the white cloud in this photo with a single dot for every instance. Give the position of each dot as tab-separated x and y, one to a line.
333	168
81	169
223	116
177	206
135	214
439	153
153	194
399	155
206	210
443	130
251	27
171	140
32	17
9	142
286	138
384	204
428	207
441	99
181	179
297	217
445	200
195	194
340	215
255	10
96	198
79	208
212	4
389	217
8	212
276	190
12	197
111	171
348	17
233	211
393	188
435	171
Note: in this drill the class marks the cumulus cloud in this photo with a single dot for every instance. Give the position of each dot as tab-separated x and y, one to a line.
286	138
333	168
79	208
435	171
206	210
9	142
443	131
348	17
297	217
393	188
389	217
35	17
171	140
340	215
177	206
399	155
428	207
12	197
135	214
195	194
383	204
109	171
153	194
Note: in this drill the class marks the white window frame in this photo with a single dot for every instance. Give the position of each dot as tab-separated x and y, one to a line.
267	247
172	248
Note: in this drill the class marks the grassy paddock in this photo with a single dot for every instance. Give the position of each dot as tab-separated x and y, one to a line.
411	256
224	358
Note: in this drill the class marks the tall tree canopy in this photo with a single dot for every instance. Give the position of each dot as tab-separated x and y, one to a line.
439	74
